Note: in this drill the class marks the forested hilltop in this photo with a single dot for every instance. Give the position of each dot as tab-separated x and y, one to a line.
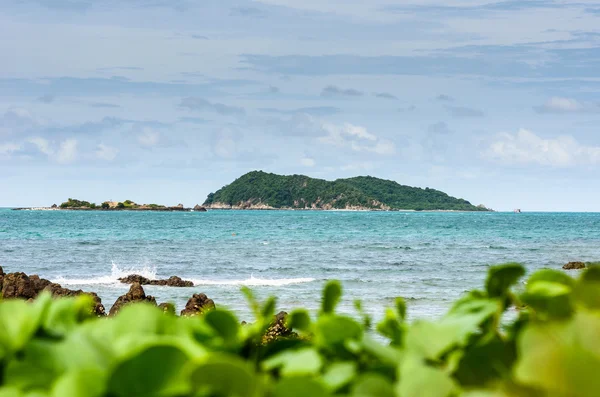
261	190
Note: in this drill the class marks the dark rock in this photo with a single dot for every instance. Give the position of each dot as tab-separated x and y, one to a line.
278	329
172	281
135	294
574	265
198	304
17	285
199	208
54	206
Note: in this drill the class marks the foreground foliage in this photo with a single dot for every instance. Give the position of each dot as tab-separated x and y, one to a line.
300	191
551	347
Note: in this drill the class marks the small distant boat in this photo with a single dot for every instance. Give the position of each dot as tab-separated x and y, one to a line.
517	211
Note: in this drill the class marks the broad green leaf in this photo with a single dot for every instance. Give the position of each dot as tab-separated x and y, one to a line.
19	321
387	355
587	289
332	329
561	358
502	277
484	362
420	380
306	361
372	385
300	387
224	323
331	296
223	375
549	300
339	375
401	308
391	327
154	371
80	383
36	368
555	276
299	319
268	309
63	315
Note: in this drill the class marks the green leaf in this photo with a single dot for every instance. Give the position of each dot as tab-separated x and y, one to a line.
306	361
555	276
299	319
485	362
331	330
300	387
372	385
37	367
587	288
401	308
549	300
155	370
339	375
502	277
224	375
561	358
224	323
420	380
19	321
268	309
331	296
391	327
63	315
81	383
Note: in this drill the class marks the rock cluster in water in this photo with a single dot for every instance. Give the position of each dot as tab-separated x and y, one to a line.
20	285
574	266
173	281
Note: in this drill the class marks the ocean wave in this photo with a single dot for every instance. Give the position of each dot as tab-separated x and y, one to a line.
255	282
115	273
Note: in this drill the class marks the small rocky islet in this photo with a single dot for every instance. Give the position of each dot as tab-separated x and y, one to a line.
18	285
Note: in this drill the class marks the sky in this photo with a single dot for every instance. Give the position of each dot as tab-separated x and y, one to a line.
165	101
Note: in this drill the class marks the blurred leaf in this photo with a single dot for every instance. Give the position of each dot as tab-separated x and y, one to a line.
502	277
391	327
19	321
35	369
306	361
268	309
561	358
372	385
587	289
331	296
156	370
80	383
485	362
300	387
63	315
339	374
420	380
555	276
224	323
401	308
549	300
331	330
299	319
223	375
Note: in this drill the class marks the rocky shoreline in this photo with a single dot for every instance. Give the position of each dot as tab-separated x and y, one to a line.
19	285
178	208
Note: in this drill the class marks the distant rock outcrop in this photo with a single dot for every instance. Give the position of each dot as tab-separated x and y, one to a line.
135	294
173	281
574	266
198	304
199	208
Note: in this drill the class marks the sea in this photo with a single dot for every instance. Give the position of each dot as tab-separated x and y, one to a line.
428	258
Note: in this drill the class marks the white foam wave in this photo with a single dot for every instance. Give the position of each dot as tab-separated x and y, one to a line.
115	273
255	282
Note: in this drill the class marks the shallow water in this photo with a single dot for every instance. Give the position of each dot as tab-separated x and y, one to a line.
428	258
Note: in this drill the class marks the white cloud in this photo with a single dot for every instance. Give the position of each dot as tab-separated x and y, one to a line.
6	149
148	137
355	137
43	145
525	147
67	151
566	105
308	162
64	154
107	153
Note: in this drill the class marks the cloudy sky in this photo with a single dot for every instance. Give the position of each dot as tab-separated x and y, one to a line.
168	100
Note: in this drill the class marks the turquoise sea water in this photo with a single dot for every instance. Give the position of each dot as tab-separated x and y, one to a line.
428	258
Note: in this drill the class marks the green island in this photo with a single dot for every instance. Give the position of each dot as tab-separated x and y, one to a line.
261	190
548	345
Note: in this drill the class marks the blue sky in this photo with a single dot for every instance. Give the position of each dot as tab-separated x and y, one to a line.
167	100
